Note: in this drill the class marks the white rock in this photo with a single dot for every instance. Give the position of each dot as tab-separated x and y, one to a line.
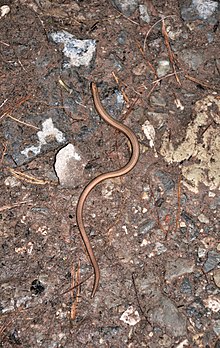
5	9
69	166
213	303
144	13
79	52
49	133
130	316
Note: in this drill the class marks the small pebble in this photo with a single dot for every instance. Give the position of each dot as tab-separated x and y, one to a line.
216	278
163	68
212	261
202	218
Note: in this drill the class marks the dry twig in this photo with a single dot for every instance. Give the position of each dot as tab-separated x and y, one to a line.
75	276
28	178
170	53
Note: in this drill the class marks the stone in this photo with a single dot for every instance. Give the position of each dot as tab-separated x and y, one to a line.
144	15
78	52
167	316
216	278
178	267
69	166
127	7
212	261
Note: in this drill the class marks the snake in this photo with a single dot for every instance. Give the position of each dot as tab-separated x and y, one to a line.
108	175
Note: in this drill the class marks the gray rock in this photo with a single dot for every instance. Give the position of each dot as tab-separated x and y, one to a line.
198	9
202	218
192	229
157	100
69	166
205	8
216	327
79	52
163	67
212	261
147	226
186	287
48	134
144	15
192	58
178	267
167	316
122	38
157	118
127	7
217	278
166	180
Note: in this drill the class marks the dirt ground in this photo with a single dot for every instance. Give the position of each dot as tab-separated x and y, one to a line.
155	231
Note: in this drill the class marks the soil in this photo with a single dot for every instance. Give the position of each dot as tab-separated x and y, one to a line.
155	231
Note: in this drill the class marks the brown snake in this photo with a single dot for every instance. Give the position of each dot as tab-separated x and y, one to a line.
122	171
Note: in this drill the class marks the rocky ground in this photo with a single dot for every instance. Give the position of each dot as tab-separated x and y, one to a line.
155	231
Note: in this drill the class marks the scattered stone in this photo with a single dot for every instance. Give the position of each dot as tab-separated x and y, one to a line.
5	9
130	316
166	181
12	181
149	132
178	267
127	7
69	166
212	261
183	344
144	15
163	67
166	316
122	37
157	118
157	100
160	248
199	9
140	69
110	330
48	134
201	252
79	52
213	303
216	278
147	226
191	58
216	327
202	218
186	287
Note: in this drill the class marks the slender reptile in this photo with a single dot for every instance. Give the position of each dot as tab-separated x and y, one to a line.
116	173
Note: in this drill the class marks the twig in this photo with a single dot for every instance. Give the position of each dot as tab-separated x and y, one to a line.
179	203
8	207
3	153
170	53
28	178
130	20
200	82
22	122
138	301
119	87
75	275
164	77
146	36
148	63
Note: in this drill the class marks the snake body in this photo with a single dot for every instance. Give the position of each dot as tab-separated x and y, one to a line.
116	173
